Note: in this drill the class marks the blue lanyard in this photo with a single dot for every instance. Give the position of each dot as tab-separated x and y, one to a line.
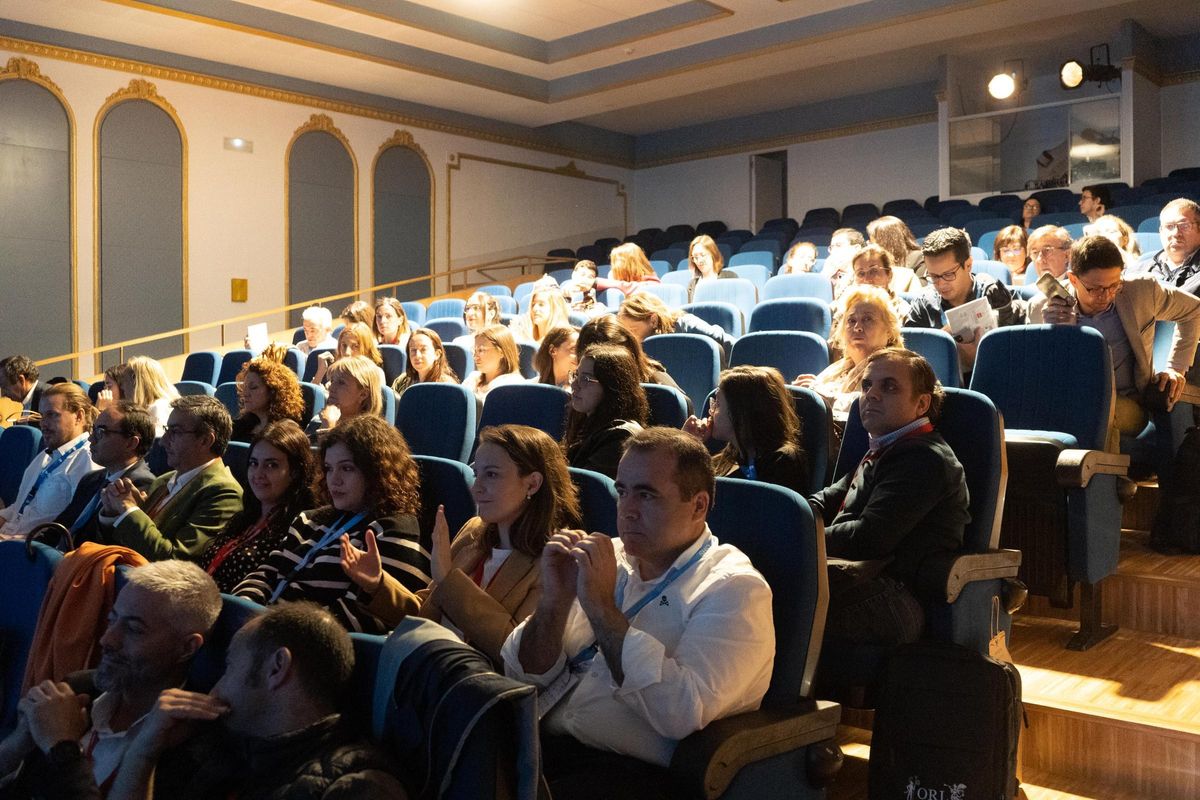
589	652
46	472
324	542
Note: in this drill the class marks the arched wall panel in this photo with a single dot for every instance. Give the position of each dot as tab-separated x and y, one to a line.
402	212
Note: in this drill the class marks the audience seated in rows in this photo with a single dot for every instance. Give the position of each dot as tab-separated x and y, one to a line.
317	322
426	362
555	358
547	310
608	405
51	478
485	579
267	392
280	474
187	506
1125	310
1178	263
753	413
120	439
19	382
1011	248
497	361
630	270
705	262
866	322
906	500
639	641
800	257
391	323
355	386
645	315
371	483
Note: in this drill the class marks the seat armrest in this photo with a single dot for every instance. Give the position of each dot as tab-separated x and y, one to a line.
1191	394
1075	468
946	574
706	762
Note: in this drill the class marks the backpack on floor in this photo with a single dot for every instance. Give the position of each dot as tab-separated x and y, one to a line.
1177	523
946	727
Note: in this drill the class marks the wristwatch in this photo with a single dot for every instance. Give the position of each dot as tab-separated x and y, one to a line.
65	752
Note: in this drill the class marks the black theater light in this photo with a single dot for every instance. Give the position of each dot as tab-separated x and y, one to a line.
1073	74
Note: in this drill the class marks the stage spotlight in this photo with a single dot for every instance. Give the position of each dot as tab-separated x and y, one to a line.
1070	75
1002	85
1073	74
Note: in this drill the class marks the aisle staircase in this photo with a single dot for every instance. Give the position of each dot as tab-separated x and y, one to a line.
1121	720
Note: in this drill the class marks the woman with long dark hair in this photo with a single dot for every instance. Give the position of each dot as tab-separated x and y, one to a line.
426	362
608	405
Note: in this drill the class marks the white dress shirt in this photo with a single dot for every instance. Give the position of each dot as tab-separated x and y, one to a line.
702	651
55	492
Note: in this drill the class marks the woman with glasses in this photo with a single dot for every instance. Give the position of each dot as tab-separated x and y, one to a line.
753	412
706	262
1032	208
481	310
872	266
485	579
279	474
1011	249
556	357
426	362
370	484
497	361
607	330
867	322
608	405
267	392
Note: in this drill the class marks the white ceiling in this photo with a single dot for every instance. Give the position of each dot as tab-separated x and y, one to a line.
680	62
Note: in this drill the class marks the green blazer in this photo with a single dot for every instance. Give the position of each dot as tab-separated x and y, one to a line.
189	519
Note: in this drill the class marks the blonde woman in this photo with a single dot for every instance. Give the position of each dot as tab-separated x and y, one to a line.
497	361
481	310
355	388
1117	231
630	270
547	311
145	382
647	315
867	322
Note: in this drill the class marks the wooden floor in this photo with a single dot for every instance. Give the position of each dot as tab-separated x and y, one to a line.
1121	720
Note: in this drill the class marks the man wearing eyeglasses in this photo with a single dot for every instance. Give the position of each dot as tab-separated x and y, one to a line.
183	508
1124	310
1050	251
1094	202
120	440
948	270
1178	263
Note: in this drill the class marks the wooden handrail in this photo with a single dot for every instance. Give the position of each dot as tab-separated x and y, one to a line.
523	262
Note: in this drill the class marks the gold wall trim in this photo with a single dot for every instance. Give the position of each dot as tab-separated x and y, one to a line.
323	123
138	89
799	138
568	170
1178	78
402	138
296	98
22	69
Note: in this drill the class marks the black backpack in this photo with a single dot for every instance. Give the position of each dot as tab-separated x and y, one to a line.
947	726
1177	523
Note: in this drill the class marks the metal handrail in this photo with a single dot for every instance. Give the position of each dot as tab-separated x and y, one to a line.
523	262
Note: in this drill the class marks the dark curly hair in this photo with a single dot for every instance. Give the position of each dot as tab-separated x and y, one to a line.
382	455
290	439
554	505
282	386
624	398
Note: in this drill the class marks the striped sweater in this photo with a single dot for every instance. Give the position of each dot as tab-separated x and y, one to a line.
322	580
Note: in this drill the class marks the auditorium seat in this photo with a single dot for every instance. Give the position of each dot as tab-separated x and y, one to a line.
791	352
237	457
294	360
18	446
994	268
461	359
538	405
202	366
611	299
1064	505
526	352
495	289
678	277
394	361
712	227
726	315
661	267
804	284
738	291
940	350
26	577
668	405
671	255
186	388
791	314
597	500
816	428
756	269
231	364
772	245
672	294
415	312
227	393
507	305
976	229
692	360
1149	241
445	482
449	328
445	308
314	359
438	419
314	398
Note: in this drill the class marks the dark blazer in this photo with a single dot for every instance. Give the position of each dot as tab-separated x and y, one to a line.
908	503
787	467
89	486
601	451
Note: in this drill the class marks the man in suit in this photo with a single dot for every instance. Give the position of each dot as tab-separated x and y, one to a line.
1125	310
121	437
19	382
183	508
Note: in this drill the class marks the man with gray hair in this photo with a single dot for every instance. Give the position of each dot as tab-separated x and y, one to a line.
1178	263
318	330
69	745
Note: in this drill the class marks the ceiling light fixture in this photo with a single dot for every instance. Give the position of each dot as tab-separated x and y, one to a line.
1073	74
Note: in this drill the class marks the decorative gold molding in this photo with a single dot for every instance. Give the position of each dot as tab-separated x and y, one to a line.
402	138
282	96
568	170
1177	78
138	89
22	69
322	123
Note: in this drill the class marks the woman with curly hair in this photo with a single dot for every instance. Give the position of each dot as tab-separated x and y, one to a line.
485	579
555	357
753	413
370	483
267	392
391	323
426	362
280	474
608	405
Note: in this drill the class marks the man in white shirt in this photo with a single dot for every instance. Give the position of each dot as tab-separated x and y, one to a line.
50	480
318	330
639	642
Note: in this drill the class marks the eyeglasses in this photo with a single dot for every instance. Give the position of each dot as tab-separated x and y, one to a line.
1172	227
472	307
1101	291
575	376
178	430
1044	252
945	277
868	274
1012	251
100	431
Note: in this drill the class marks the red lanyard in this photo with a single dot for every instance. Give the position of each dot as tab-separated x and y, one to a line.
239	542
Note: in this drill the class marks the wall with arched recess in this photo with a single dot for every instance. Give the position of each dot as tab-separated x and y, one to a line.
402	218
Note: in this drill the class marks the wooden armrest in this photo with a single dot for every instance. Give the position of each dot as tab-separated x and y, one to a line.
1075	468
943	576
1191	394
706	762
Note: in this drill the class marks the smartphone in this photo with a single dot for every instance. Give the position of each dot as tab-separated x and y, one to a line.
1050	287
